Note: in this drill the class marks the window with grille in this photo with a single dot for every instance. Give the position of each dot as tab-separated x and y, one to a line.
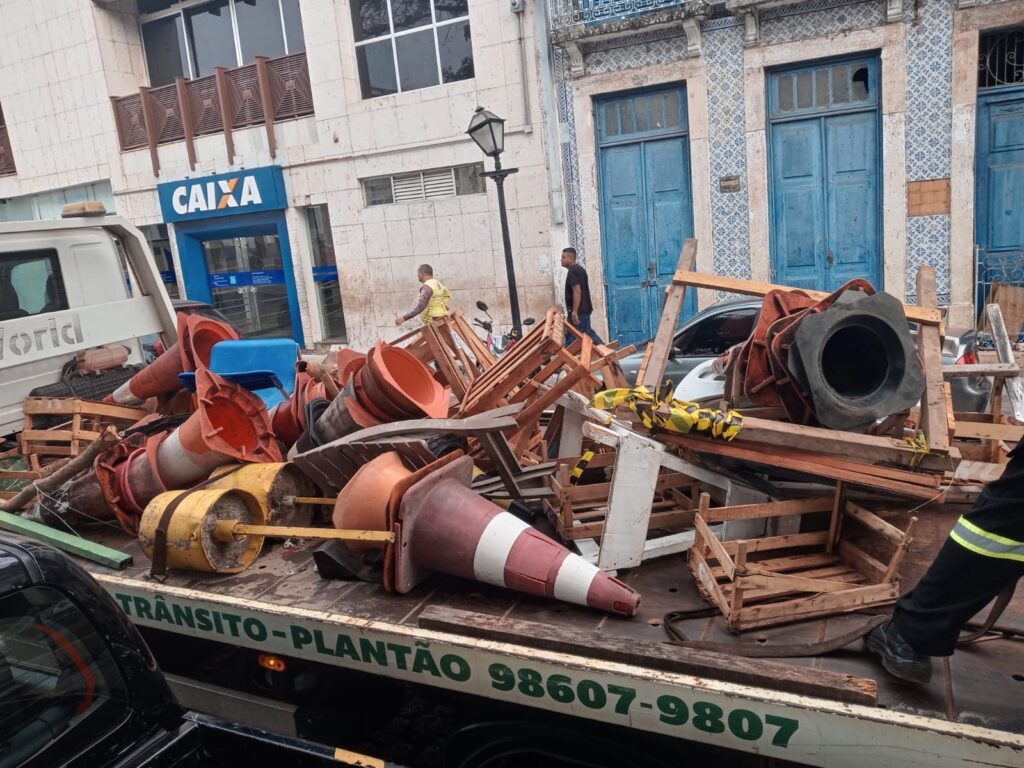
1001	58
403	45
424	185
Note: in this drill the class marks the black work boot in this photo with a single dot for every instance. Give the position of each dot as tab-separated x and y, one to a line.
898	657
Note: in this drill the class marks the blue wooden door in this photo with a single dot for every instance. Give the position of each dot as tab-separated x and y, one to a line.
824	181
624	240
646	205
798	204
853	199
1000	188
669	217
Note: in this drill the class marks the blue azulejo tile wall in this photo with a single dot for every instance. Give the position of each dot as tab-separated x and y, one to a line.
928	30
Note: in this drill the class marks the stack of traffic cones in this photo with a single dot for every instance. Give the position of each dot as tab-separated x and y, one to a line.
197	336
442	525
389	384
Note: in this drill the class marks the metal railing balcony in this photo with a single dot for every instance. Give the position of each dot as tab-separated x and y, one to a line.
263	93
564	15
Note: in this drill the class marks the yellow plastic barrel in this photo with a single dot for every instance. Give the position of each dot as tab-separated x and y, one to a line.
191	545
271	484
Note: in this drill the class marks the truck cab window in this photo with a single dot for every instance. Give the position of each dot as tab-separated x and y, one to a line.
30	284
60	688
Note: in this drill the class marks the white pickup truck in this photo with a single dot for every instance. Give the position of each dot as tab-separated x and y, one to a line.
66	286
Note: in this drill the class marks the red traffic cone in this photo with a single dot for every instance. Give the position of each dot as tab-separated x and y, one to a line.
444	526
196	338
97	495
231	424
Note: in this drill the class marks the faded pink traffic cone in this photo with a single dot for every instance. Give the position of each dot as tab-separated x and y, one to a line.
444	526
197	336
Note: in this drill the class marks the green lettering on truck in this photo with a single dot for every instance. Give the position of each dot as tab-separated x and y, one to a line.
142	608
301	637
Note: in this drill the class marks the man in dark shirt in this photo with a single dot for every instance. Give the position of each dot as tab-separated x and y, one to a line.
578	305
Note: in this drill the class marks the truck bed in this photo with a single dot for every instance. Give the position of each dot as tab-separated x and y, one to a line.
970	714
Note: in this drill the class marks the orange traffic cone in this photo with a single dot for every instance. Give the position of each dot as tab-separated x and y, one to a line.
363	502
444	526
158	377
230	424
348	362
197	335
196	338
406	382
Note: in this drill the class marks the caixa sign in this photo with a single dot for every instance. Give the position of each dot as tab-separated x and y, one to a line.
226	194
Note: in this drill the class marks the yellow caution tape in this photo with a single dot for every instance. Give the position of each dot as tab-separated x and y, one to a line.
920	446
577	471
683	417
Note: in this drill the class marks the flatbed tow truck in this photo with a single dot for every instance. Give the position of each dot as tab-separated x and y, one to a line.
333	637
970	714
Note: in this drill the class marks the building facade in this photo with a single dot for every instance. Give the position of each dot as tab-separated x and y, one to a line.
804	142
292	162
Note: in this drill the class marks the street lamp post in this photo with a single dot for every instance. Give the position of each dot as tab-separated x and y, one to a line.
488	131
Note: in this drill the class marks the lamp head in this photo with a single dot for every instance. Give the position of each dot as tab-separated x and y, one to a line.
488	131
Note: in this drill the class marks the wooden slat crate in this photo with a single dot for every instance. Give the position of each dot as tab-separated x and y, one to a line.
455	352
539	370
580	511
14	473
780	579
63	426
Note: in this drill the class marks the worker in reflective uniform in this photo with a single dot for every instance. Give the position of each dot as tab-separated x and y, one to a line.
983	556
433	299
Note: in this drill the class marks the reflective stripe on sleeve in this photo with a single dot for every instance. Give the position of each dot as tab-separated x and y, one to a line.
981	542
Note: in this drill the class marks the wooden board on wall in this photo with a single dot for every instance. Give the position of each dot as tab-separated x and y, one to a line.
1010	299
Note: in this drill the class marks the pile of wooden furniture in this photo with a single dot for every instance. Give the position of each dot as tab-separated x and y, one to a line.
56	430
533	374
786	551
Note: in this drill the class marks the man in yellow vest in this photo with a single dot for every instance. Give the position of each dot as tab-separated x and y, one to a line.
433	301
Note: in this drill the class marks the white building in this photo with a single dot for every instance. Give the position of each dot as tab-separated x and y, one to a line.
312	222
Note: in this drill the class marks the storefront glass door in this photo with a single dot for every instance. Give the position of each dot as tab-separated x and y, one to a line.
247	284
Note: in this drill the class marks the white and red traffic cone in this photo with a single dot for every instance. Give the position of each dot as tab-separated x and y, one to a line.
196	337
230	424
444	526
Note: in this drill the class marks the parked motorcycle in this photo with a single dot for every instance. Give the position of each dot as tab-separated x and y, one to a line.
499	343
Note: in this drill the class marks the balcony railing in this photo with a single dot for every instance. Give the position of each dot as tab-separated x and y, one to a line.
571	13
263	93
6	155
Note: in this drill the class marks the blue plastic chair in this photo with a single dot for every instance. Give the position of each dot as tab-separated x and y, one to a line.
263	366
